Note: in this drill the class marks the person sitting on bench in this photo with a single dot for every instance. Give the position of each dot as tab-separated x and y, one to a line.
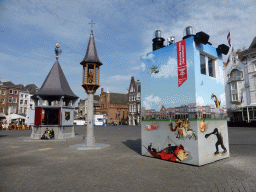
51	134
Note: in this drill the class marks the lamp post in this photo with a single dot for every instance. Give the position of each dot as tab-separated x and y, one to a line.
90	82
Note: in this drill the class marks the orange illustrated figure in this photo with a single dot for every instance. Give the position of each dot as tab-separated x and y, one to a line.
216	101
202	126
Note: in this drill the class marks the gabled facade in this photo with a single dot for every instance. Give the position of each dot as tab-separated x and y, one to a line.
3	102
240	84
12	98
134	95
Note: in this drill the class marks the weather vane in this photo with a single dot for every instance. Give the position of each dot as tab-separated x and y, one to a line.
92	24
58	51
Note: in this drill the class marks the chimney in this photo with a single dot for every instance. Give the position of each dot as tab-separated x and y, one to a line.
102	90
158	41
188	32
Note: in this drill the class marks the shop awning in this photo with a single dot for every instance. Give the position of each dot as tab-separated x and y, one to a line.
2	115
16	116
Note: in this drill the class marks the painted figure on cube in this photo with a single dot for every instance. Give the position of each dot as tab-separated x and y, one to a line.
151	127
219	141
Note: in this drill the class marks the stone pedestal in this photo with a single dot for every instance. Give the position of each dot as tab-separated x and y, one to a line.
89	142
60	132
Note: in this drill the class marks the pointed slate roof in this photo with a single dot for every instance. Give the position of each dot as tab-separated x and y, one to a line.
91	52
56	84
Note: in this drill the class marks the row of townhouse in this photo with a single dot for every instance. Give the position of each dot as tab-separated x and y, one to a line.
15	99
117	107
190	111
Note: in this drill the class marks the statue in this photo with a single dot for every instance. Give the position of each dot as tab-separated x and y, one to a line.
90	77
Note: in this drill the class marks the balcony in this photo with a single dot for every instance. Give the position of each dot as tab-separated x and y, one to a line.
239	78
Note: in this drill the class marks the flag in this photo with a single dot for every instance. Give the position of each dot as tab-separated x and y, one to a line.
229	39
181	62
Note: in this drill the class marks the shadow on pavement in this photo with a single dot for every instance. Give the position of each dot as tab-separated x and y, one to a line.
134	145
3	135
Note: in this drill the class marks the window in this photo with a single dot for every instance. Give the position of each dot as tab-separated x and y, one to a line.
10	100
10	91
3	101
15	92
3	92
211	67
12	109
21	95
26	102
233	86
202	64
21	110
139	87
207	65
21	102
254	78
15	99
236	74
2	110
234	97
26	96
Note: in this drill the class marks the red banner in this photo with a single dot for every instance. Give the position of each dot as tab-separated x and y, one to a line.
181	62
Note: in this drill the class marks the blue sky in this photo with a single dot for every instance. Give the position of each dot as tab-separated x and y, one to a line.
123	32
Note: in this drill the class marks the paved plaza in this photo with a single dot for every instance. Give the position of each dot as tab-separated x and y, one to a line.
53	166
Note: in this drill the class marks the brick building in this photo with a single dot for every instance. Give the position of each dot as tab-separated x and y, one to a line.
114	106
12	98
163	113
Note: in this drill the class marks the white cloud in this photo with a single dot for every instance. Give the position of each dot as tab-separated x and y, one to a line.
151	101
120	78
149	56
220	79
143	66
223	99
168	70
200	100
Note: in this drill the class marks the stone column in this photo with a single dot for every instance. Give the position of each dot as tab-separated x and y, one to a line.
90	139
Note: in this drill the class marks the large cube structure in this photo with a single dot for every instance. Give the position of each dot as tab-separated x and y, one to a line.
183	99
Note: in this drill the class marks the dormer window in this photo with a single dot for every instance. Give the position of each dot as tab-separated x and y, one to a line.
236	75
208	65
